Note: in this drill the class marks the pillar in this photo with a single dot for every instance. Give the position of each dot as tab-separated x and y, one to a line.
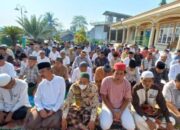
157	34
151	36
116	39
178	44
123	37
110	35
128	33
136	32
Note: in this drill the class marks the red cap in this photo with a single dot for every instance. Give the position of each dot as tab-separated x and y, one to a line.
120	66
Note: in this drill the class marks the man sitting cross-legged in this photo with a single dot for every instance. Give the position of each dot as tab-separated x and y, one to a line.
116	96
80	108
14	101
151	112
49	98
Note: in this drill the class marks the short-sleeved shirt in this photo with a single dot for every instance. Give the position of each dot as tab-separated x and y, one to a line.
172	94
116	93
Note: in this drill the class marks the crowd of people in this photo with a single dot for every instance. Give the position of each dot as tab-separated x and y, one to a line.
89	87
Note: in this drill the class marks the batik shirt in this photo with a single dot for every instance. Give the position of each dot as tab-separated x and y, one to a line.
87	98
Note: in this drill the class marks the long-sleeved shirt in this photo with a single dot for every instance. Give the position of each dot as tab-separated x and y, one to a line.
132	75
159	76
12	99
9	69
78	60
54	55
76	74
101	61
173	71
50	94
30	73
87	98
154	97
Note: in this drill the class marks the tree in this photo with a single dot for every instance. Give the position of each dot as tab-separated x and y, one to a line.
35	28
12	32
78	23
80	37
49	18
53	24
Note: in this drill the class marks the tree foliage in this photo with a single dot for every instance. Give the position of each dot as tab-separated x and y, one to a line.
80	37
35	28
13	33
78	23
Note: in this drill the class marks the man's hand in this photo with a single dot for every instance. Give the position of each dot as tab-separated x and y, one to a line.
152	125
64	124
9	117
50	113
178	116
2	115
169	126
117	116
91	125
43	114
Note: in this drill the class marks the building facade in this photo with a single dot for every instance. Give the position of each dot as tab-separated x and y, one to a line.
159	27
100	31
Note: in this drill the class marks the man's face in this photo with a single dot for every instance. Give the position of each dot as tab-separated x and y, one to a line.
102	55
83	69
31	63
9	85
63	55
108	73
159	70
2	51
42	55
147	82
58	64
54	49
2	62
84	81
177	85
131	56
119	74
149	57
83	55
163	58
44	72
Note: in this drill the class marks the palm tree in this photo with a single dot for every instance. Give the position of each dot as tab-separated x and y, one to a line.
35	28
52	22
13	32
78	23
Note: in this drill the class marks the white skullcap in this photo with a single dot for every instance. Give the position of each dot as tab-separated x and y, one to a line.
62	51
147	74
4	79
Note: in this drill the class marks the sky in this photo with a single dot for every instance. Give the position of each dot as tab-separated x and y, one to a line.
64	10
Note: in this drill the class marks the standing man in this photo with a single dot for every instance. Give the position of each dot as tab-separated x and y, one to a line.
116	96
49	99
146	96
14	100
